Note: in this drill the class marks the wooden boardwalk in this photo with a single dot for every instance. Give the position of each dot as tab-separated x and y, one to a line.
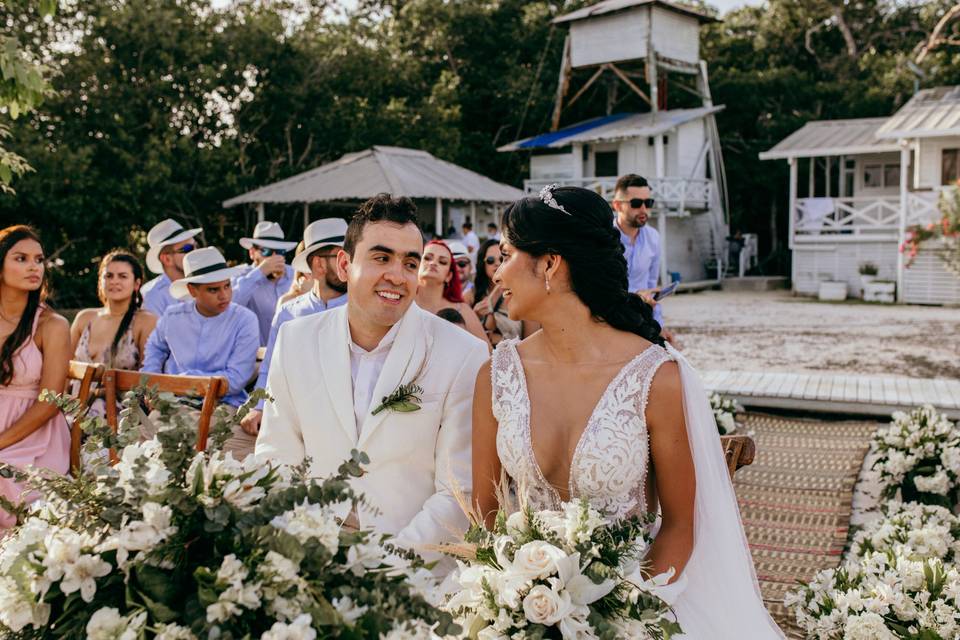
836	393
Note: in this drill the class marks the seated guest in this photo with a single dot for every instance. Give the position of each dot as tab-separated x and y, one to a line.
208	335
465	269
301	284
116	333
492	307
267	277
34	355
439	288
323	240
169	243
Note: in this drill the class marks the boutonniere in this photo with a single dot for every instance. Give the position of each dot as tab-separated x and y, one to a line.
405	398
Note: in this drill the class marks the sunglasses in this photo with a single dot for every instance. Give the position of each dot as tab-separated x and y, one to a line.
636	203
463	264
266	252
187	248
493	260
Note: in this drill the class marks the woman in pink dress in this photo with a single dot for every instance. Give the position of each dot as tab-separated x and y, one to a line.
34	355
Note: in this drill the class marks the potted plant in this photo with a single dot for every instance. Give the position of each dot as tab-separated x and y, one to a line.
868	273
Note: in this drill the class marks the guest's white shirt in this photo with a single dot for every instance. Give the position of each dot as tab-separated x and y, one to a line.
365	368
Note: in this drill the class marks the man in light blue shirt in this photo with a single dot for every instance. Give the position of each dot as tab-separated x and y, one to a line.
169	242
267	277
632	203
322	241
207	335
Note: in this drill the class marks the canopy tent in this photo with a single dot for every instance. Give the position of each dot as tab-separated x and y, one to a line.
380	169
617	126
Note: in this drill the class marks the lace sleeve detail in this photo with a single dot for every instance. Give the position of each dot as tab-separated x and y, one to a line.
500	365
658	357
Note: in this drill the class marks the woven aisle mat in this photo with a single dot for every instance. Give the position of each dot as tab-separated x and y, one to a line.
795	499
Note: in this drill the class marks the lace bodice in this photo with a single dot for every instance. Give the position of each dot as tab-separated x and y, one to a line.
610	462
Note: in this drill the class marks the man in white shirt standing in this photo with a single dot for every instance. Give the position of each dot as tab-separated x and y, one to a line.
408	398
470	240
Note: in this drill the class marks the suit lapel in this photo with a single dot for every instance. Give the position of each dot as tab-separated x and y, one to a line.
404	361
335	363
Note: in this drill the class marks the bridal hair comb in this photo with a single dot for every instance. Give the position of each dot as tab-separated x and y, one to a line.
546	195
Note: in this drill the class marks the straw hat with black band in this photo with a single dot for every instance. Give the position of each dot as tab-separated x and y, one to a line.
329	232
163	234
203	266
268	235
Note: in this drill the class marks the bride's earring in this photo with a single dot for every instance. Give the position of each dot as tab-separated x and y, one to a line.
546	280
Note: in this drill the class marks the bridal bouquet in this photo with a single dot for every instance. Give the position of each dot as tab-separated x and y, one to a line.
725	413
173	544
567	574
900	580
919	456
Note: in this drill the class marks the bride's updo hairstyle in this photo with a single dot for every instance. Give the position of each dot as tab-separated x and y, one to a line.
577	224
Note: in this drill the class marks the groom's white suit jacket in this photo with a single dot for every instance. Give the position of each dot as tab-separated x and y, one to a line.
417	459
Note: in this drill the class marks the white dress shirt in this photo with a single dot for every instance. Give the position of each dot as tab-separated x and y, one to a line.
365	368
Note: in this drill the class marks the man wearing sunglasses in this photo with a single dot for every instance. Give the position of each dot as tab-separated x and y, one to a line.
168	243
267	277
633	202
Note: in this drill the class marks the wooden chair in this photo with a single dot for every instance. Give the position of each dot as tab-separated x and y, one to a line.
739	450
210	388
86	374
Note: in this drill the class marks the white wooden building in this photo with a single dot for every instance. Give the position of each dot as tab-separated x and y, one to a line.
636	44
857	184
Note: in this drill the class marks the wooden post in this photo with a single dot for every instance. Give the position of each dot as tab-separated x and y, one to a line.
841	177
260	212
577	150
792	206
904	202
827	164
438	219
658	157
306	215
563	84
812	184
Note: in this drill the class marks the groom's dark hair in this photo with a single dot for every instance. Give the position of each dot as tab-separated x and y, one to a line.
380	208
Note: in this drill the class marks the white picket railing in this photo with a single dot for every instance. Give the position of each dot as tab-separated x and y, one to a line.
833	219
923	207
673	193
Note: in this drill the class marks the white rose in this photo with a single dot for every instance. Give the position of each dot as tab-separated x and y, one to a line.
545	606
537	559
517	522
299	629
174	632
105	624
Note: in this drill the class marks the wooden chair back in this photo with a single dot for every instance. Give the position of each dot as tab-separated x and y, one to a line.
86	374
210	388
739	451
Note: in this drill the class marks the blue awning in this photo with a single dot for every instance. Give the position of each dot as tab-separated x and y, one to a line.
550	139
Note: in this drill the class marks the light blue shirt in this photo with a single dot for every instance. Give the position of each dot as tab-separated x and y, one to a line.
257	292
305	305
643	261
191	344
156	295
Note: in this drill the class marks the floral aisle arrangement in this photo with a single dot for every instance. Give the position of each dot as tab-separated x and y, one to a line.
946	229
900	581
919	457
173	544
725	412
567	574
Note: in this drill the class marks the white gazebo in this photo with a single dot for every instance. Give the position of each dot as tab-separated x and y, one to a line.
398	171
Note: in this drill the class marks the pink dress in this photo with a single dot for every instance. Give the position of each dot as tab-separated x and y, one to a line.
48	446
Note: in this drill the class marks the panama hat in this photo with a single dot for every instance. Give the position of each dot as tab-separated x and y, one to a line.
163	234
322	233
203	266
269	235
458	249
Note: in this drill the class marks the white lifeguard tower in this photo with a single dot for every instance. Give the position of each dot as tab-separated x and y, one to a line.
635	45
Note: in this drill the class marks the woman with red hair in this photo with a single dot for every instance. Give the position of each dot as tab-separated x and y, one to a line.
440	286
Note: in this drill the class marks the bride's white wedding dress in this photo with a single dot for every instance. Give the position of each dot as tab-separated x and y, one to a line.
717	595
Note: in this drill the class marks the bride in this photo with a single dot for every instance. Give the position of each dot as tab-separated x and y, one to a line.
595	405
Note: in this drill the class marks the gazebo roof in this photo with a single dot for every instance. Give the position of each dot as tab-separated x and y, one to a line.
832	138
380	169
613	127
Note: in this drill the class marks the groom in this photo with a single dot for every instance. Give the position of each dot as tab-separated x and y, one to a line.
331	374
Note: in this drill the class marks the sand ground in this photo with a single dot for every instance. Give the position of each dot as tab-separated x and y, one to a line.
777	331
